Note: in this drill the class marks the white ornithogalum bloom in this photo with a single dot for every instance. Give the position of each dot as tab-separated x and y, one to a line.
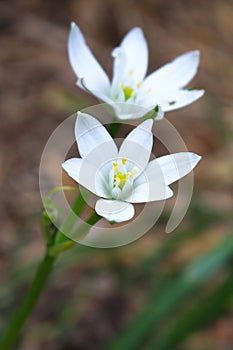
129	86
125	176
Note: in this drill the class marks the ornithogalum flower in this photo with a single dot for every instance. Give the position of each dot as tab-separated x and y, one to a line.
125	176
164	87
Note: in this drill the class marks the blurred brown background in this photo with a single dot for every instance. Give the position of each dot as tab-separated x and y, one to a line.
38	92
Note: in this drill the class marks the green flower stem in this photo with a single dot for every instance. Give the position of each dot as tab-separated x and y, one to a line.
18	319
71	218
79	233
56	243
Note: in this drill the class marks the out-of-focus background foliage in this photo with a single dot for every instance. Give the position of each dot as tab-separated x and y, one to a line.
163	291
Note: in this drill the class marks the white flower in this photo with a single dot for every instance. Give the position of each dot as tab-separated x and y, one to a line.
126	176
164	87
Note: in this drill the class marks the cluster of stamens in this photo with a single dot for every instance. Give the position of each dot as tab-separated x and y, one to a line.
121	177
128	90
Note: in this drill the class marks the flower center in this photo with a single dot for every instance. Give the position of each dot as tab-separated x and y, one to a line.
128	91
120	177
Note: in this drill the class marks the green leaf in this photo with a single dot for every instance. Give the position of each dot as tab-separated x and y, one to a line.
187	282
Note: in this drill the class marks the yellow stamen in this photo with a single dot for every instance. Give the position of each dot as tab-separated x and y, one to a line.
134	172
121	178
130	72
115	166
124	160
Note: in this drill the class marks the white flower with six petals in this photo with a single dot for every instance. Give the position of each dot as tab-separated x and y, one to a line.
125	176
129	87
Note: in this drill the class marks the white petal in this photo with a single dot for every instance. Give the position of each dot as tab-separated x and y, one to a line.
179	98
116	192
142	108
84	63
160	113
150	192
82	83
148	101
136	49
113	210
173	166
100	95
87	175
131	58
72	167
138	144
175	74
130	111
119	73
126	190
94	140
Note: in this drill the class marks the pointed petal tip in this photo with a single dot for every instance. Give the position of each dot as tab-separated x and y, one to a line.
147	124
195	157
169	192
81	120
85	122
196	52
160	114
193	56
84	116
116	52
137	29
150	123
79	114
71	163
66	165
202	92
74	28
196	93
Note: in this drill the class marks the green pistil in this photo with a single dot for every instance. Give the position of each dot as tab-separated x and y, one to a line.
128	91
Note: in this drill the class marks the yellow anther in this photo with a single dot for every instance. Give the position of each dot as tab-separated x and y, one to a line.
124	160
130	72
148	90
139	84
134	172
120	179
115	166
